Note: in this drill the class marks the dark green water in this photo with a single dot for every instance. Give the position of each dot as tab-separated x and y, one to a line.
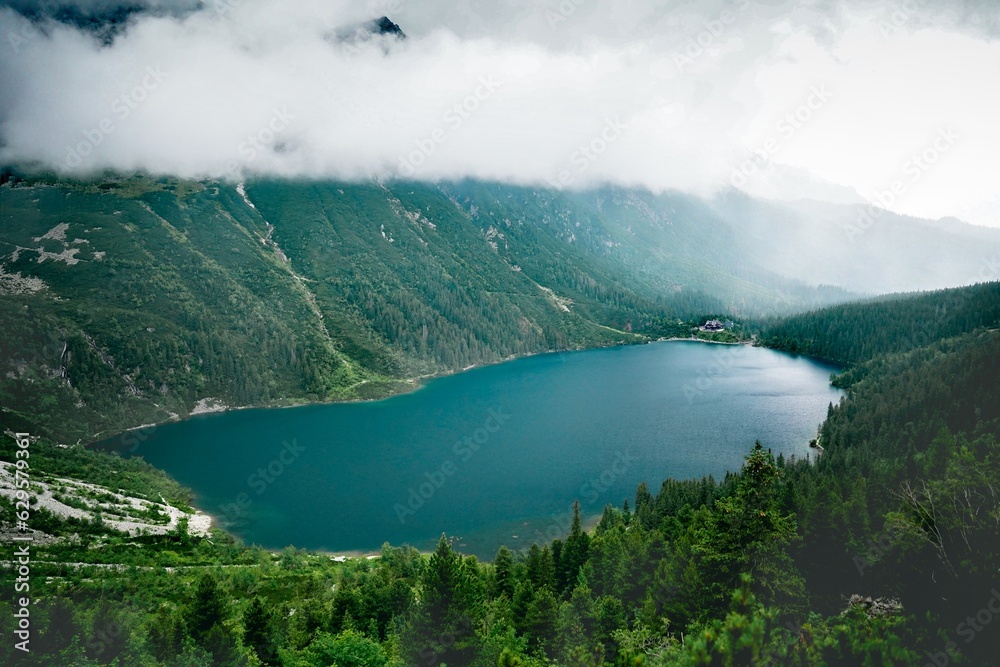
494	455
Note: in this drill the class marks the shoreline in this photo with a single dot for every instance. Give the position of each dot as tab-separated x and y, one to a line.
415	384
342	555
587	523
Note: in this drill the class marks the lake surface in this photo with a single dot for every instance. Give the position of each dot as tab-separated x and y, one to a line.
495	455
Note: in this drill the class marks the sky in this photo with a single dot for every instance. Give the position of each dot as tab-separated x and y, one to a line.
894	103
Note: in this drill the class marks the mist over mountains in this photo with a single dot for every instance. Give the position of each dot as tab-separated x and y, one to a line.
210	205
667	96
860	247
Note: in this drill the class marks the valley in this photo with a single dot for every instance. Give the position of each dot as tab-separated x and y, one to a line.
147	296
134	308
519	334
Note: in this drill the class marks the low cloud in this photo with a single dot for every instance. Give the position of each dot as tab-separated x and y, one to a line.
99	8
231	88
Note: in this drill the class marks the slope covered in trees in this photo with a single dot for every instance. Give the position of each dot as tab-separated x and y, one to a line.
883	551
855	332
126	301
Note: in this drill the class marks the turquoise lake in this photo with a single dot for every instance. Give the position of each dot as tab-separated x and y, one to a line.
494	455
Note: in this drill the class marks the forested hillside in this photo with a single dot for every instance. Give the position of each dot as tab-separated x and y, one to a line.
883	551
856	332
128	301
438	232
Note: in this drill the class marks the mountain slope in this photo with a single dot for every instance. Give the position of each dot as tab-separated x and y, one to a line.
856	332
881	550
132	300
860	248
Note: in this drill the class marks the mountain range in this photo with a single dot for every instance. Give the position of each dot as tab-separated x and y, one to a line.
131	299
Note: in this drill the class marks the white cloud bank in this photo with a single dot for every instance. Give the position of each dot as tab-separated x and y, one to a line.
897	98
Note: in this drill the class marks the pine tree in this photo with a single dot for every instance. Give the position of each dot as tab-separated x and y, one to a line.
754	533
575	552
541	567
442	585
609	519
442	629
221	643
208	608
166	634
258	633
503	566
542	621
108	637
645	507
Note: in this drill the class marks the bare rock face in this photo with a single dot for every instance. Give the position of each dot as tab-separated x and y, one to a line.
362	32
383	26
874	607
